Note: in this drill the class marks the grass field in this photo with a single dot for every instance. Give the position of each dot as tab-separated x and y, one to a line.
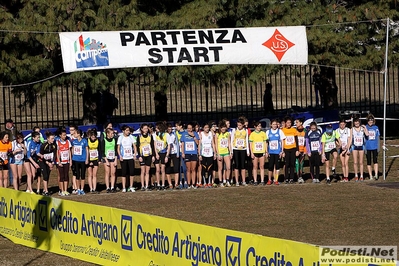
362	213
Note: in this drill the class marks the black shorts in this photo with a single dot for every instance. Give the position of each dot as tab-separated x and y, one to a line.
93	163
191	158
274	162
4	167
357	148
109	160
127	167
161	160
239	159
73	168
147	160
329	153
258	155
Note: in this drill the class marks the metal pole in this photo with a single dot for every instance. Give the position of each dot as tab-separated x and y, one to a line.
385	100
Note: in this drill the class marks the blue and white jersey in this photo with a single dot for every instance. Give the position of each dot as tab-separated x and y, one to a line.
313	141
190	146
372	139
274	139
33	148
79	153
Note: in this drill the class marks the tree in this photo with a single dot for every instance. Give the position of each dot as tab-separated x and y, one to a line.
30	48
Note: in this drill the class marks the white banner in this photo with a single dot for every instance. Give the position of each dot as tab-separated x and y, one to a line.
122	49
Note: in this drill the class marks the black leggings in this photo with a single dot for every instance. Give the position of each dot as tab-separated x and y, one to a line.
173	169
80	168
314	161
290	157
207	167
45	170
370	153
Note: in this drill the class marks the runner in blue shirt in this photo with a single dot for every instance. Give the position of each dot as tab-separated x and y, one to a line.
80	158
189	147
372	146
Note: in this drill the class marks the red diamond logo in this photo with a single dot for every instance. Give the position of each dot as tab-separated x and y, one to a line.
278	44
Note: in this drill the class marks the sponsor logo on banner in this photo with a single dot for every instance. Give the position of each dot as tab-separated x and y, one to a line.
90	53
126	232
43	215
233	249
278	44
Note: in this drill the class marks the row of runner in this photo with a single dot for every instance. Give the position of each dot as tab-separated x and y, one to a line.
190	156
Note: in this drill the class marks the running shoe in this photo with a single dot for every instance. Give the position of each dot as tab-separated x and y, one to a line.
376	177
186	186
276	183
221	185
291	181
361	179
333	171
108	190
75	192
269	182
170	186
262	183
45	193
66	193
132	189
244	184
82	192
255	183
356	179
237	184
317	180
228	184
60	193
328	181
301	181
124	190
286	181
314	180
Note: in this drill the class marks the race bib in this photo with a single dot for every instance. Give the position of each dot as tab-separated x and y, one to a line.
3	155
111	154
240	142
128	151
330	146
301	141
207	151
19	156
290	140
160	145
344	143
371	135
224	143
93	154
146	150
258	146
64	156
358	141
77	150
189	146
315	145
48	156
273	145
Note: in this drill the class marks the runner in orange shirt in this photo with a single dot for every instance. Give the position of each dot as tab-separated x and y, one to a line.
5	149
291	150
302	149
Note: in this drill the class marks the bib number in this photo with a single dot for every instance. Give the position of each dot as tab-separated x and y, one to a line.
290	140
77	150
315	145
258	146
273	145
93	154
330	146
159	145
48	156
190	146
110	155
240	142
146	150
3	155
358	141
18	157
64	156
301	141
371	135
223	143
128	152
